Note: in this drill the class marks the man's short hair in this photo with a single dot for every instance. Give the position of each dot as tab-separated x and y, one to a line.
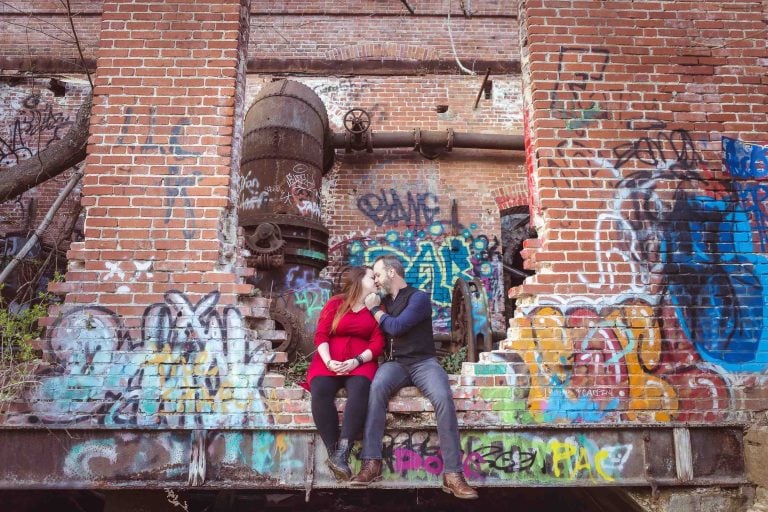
393	262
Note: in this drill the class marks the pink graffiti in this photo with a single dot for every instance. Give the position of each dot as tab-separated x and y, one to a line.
406	460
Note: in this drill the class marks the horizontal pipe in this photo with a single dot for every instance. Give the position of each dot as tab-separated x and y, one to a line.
445	338
433	140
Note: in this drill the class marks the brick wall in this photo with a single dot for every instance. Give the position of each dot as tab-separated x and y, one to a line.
153	292
300	34
650	263
34	118
647	301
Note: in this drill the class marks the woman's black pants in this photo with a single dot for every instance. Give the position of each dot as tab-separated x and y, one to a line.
324	411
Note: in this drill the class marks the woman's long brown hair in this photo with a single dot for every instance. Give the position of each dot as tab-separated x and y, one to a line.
351	290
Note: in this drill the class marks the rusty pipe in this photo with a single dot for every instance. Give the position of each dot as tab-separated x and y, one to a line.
447	139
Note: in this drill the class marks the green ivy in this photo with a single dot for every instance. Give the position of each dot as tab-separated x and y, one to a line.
452	362
19	330
296	370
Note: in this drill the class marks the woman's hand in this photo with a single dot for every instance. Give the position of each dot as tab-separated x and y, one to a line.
347	366
334	366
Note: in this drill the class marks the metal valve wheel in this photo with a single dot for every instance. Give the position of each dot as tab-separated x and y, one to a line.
357	121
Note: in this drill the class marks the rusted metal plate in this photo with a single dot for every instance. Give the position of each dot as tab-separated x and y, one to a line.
717	453
270	459
107	459
660	454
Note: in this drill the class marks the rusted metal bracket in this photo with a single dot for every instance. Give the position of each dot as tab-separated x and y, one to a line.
482	87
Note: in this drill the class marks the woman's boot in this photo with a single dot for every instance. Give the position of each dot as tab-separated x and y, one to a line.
338	462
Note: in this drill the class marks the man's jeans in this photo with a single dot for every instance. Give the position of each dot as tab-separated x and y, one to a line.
432	381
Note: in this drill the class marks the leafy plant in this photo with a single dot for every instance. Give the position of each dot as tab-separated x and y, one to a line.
18	330
452	362
296	370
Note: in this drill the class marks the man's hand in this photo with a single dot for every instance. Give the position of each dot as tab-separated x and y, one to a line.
372	300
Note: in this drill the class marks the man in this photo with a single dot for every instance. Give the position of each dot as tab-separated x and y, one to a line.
411	360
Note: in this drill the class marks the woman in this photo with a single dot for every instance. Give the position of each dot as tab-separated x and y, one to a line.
349	343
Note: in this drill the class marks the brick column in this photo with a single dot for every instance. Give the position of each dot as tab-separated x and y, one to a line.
648	299
158	178
154	330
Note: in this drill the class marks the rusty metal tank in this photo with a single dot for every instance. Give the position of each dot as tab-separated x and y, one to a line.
287	148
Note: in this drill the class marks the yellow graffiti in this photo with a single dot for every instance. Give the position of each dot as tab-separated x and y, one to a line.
273	402
646	392
561	452
193	386
599	458
543	346
281	442
547	345
569	460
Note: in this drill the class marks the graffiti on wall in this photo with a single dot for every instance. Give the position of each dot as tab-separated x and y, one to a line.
591	364
12	243
36	126
307	291
684	242
386	208
743	160
507	456
413	456
578	99
747	163
680	270
433	259
295	191
166	455
176	185
126	273
191	366
691	240
574	98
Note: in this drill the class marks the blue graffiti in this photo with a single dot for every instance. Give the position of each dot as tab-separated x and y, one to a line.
193	366
254	450
434	259
716	281
752	197
432	266
583	409
390	210
744	160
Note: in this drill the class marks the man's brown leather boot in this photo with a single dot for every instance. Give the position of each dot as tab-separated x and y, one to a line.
454	483
369	472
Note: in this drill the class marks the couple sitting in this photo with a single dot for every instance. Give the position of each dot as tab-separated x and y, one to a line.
350	337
